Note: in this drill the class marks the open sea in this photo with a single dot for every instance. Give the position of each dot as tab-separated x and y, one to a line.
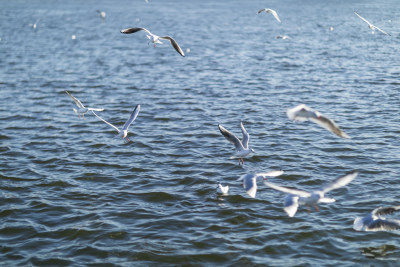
73	195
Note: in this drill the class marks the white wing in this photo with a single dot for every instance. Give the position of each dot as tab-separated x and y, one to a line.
135	29
106	121
288	190
133	116
339	182
275	15
382	31
246	137
76	100
291	204
174	44
95	109
363	19
270	174
330	125
231	138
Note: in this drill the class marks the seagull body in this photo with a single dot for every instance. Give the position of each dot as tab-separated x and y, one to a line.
223	189
370	25
81	108
250	181
303	113
102	14
375	221
242	147
123	133
298	197
273	12
156	39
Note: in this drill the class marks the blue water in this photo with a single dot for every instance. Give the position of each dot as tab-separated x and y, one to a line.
73	195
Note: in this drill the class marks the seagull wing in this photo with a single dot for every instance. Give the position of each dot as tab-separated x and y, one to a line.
383	225
246	137
288	190
270	174
106	121
261	10
385	210
96	109
330	125
382	31
363	18
133	116
291	204
135	29
339	182
174	44
273	12
76	100
231	138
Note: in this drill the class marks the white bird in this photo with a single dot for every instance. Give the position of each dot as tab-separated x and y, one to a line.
370	25
250	180
242	147
102	14
34	25
303	113
123	133
268	10
298	197
223	189
376	222
283	37
81	108
155	39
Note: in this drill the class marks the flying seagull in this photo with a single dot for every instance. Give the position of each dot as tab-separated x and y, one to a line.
250	180
155	39
123	133
303	113
102	14
34	25
81	108
376	222
223	189
298	197
242	147
268	10
370	25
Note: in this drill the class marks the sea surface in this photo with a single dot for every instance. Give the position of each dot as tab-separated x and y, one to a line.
74	195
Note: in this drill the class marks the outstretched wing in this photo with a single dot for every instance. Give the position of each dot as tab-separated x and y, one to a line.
231	138
106	121
76	100
330	125
174	44
383	225
261	10
363	18
133	116
381	211
270	174
246	136
339	182
288	190
275	15
134	29
382	31
291	204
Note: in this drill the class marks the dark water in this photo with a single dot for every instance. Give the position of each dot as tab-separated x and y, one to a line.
72	194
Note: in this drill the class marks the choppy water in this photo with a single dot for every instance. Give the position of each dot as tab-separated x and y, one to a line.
72	194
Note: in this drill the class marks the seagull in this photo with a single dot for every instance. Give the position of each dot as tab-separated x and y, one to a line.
283	37
298	197
155	39
81	108
102	14
34	25
250	180
268	10
303	113
124	132
242	147
371	26
376	222
223	189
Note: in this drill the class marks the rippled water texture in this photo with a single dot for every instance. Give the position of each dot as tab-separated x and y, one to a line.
72	194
